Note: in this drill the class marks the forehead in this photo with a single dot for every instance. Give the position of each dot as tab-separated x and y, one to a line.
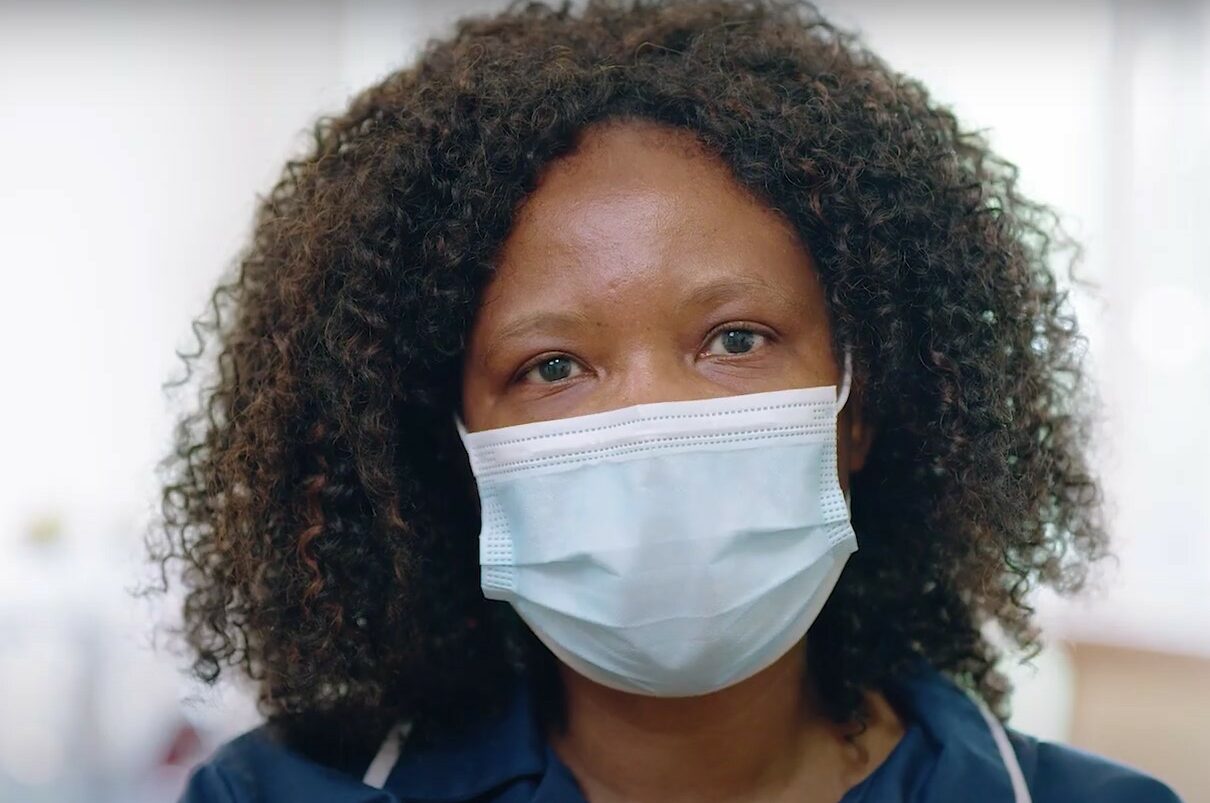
638	201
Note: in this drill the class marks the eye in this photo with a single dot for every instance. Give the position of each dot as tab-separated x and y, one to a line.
549	369
734	340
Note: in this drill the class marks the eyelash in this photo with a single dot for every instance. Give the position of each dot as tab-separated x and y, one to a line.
736	326
537	361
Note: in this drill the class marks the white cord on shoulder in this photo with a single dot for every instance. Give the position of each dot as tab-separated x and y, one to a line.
384	760
1007	754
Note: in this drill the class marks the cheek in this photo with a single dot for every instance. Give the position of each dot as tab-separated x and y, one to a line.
773	368
802	360
477	398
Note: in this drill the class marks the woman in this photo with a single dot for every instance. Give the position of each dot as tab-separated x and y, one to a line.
572	373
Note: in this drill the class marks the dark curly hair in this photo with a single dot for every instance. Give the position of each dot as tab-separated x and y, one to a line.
319	502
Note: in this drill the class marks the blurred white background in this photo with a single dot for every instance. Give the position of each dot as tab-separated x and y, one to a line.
134	137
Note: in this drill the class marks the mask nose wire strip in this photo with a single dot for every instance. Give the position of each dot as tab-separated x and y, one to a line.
846	382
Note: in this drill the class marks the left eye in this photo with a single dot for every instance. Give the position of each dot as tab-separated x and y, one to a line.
552	369
734	341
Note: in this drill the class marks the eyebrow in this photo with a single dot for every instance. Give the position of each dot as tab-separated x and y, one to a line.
725	289
708	294
539	321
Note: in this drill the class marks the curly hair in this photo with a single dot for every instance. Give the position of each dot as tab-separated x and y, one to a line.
319	502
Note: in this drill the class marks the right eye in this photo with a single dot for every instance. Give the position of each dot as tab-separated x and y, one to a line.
551	369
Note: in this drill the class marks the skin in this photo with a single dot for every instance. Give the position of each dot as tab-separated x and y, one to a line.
640	271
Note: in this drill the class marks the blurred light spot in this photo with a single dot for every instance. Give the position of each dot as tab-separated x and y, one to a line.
45	529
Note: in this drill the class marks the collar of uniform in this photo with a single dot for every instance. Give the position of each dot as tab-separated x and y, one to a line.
489	755
967	756
257	766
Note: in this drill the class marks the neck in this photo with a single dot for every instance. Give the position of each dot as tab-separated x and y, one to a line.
748	741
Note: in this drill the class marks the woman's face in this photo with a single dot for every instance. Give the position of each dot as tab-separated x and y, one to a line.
640	271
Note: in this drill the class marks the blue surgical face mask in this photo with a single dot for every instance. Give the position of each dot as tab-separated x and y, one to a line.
668	549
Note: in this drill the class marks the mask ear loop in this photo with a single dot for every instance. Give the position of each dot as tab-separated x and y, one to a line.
846	381
842	396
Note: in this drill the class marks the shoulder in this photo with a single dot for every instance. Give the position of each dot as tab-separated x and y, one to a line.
1056	772
225	776
256	766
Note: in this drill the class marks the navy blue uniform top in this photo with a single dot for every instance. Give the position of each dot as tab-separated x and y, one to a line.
951	750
